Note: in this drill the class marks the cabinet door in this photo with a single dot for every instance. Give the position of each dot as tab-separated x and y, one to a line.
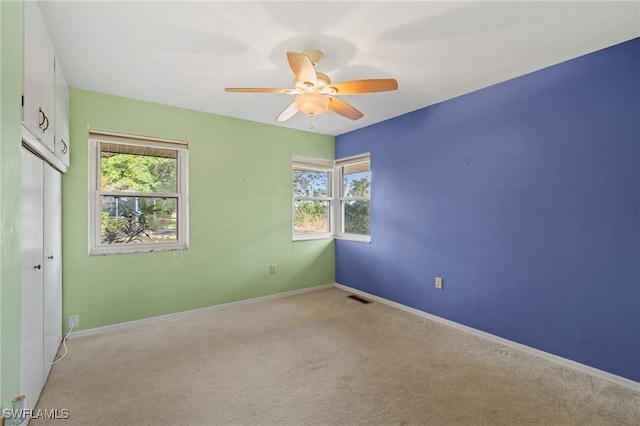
48	94
31	327
33	64
62	116
38	91
52	287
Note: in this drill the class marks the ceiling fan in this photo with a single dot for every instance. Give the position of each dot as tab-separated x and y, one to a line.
314	91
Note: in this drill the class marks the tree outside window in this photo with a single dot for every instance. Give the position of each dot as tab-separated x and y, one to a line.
138	194
314	214
355	198
312	202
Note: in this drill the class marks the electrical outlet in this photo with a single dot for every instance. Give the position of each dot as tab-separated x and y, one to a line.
272	268
439	283
74	321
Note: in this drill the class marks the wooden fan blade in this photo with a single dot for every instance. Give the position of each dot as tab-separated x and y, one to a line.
257	90
288	112
344	109
362	86
302	68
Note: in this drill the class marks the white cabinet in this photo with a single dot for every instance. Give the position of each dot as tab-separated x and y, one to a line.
41	306
45	130
45	105
61	113
39	92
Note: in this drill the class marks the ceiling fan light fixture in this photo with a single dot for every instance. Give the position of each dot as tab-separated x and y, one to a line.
315	92
312	103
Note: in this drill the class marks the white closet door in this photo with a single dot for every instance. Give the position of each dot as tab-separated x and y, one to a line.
52	265
31	348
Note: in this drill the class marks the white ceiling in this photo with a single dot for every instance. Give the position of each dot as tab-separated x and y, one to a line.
185	53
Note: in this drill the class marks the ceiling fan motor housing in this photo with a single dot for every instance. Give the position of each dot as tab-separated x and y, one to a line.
315	56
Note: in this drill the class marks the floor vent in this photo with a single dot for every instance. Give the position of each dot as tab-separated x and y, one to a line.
359	299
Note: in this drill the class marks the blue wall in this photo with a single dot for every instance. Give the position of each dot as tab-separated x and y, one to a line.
525	198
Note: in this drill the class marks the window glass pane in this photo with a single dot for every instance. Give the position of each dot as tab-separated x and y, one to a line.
309	183
130	220
356	217
311	217
125	171
356	183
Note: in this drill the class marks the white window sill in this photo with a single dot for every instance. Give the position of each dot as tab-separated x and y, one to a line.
139	248
308	237
355	238
366	239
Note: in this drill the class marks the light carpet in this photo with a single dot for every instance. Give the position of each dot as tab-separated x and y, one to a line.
319	358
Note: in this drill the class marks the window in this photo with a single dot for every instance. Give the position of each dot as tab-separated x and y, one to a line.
317	207
312	198
354	177
138	194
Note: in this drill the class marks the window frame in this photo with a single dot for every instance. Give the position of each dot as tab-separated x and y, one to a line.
181	195
341	198
315	165
336	198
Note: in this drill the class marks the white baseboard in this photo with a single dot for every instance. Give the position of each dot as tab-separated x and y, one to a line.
622	381
128	324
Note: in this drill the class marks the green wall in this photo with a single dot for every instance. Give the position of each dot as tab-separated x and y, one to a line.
10	172
239	216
